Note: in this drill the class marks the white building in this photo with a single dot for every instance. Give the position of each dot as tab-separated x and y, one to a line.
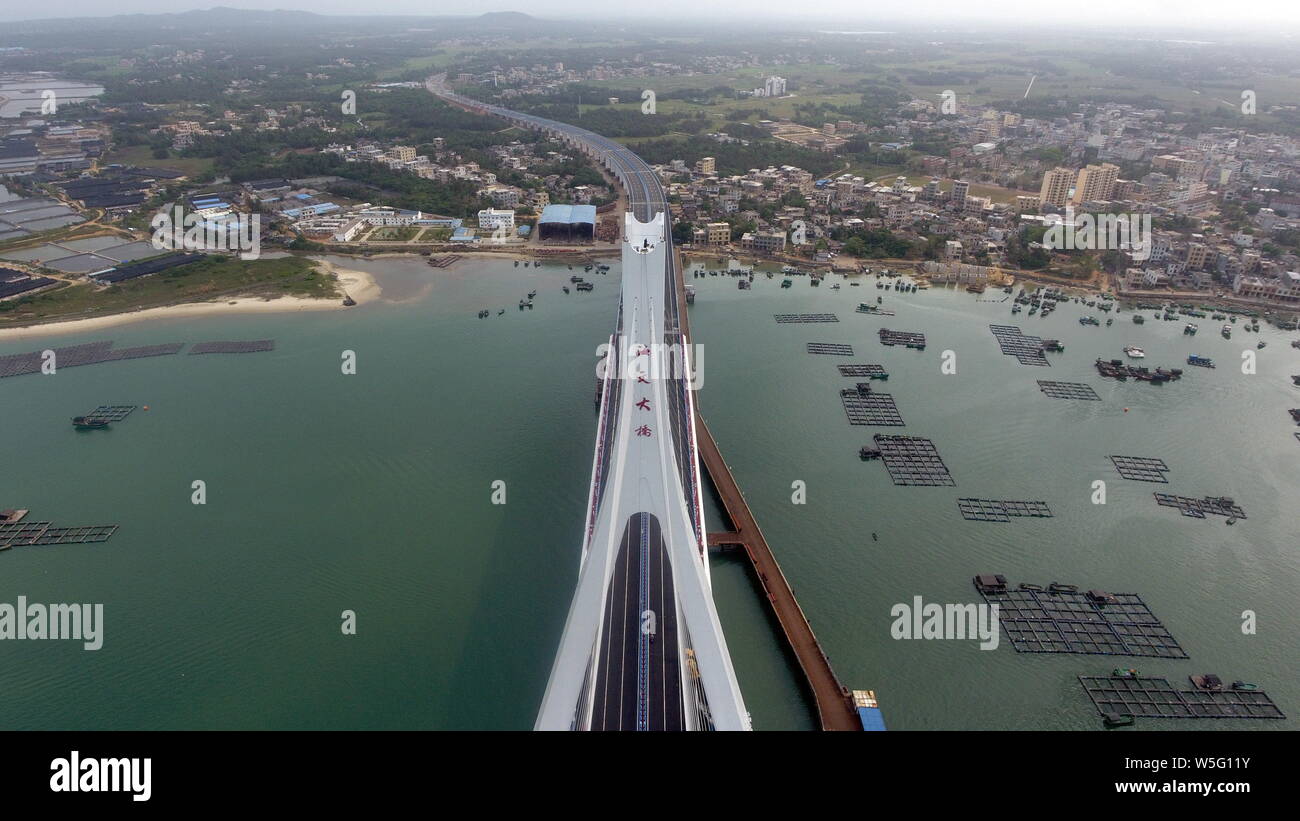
493	218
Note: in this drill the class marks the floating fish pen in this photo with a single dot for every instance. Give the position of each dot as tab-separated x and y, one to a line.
90	353
250	346
1067	390
1001	510
864	308
801	318
25	534
1141	468
110	413
905	338
1063	619
860	371
1116	369
1198	508
912	460
830	348
144	351
1028	350
21	363
1155	697
867	408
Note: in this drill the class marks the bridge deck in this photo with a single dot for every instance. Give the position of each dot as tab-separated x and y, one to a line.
645	199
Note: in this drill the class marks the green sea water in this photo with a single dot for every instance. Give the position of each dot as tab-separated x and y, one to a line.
373	492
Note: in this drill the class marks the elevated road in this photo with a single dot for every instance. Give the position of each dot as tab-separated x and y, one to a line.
642	647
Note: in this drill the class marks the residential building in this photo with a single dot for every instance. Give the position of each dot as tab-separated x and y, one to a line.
1056	187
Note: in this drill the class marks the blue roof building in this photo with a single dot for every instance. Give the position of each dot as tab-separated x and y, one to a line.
567	222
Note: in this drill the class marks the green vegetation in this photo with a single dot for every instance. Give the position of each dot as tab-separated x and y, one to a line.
216	277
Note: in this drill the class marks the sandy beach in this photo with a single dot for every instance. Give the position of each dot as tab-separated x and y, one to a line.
359	285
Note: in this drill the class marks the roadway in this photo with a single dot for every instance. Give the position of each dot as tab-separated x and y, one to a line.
645	556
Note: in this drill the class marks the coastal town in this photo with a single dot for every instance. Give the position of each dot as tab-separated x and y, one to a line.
510	330
1222	203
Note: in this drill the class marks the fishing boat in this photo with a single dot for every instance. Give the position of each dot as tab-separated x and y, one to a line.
1200	361
1109	322
1261	344
500	312
585	286
1135	352
89	422
1117	720
564	288
1226	331
1190	329
785	283
1124	672
1138	319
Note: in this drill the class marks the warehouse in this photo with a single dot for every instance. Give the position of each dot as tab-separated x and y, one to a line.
567	223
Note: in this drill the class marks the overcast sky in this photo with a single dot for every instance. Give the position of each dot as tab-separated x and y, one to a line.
1277	15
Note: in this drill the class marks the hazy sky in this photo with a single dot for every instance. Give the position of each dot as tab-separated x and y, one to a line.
1277	15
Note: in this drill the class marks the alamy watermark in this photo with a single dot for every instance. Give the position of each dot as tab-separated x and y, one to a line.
644	363
1101	232
952	621
56	622
77	774
178	230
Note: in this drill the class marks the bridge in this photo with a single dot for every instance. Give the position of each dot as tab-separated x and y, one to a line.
642	647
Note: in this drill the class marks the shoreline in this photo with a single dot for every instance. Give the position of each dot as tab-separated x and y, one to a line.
359	285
